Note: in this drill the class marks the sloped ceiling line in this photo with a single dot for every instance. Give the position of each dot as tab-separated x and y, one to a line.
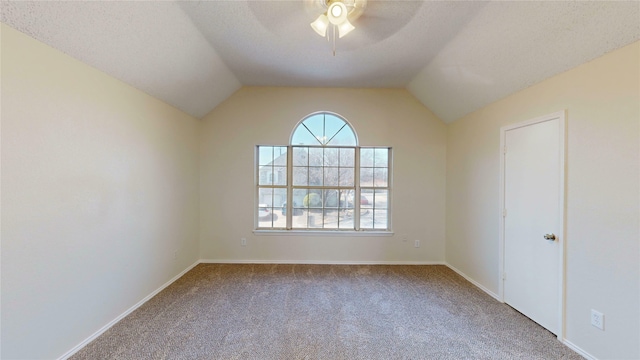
453	56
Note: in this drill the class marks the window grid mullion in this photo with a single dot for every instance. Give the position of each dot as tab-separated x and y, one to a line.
289	224
356	180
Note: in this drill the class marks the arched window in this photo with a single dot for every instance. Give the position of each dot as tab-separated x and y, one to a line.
323	180
324	129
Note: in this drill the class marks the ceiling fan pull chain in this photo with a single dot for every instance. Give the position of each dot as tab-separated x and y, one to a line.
334	40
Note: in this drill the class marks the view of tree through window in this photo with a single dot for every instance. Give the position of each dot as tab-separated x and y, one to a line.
323	180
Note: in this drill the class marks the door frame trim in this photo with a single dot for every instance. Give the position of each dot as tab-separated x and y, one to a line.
561	116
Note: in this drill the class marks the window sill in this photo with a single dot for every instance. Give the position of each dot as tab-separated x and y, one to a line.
328	233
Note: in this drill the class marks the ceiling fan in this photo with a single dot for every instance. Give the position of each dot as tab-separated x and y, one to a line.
336	18
373	21
339	13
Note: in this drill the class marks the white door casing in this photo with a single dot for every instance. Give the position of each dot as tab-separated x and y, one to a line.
532	191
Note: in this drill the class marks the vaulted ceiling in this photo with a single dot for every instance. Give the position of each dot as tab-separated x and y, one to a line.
453	56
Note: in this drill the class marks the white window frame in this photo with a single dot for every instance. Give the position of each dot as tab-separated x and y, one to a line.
357	188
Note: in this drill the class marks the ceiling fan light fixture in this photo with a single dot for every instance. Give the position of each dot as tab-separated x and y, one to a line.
320	25
337	13
335	22
345	28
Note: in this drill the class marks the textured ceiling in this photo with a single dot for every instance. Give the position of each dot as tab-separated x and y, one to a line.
152	46
454	56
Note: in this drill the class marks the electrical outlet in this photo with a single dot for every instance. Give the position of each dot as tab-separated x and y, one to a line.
416	243
597	319
243	242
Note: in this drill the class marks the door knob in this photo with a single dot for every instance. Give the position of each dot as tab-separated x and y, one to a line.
551	237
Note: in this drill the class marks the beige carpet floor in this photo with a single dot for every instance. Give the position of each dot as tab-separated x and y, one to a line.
218	311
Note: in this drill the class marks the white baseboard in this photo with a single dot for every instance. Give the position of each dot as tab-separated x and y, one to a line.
319	262
577	349
124	314
568	343
477	284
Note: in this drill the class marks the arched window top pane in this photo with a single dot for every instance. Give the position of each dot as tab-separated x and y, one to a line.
324	129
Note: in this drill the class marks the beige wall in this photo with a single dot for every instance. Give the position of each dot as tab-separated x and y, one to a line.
99	189
101	185
602	99
266	116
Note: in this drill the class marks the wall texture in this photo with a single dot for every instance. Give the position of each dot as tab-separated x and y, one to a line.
267	116
99	192
602	100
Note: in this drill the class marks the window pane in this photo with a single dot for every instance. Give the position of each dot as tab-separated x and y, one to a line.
300	213
346	199
298	197
347	156
300	221
380	220
366	199
265	155
298	210
330	176
315	124
302	136
315	176
316	156
366	157
344	137
332	125
272	155
345	218
279	203
366	177
380	199
330	220
279	197
279	175
315	219
313	199
380	177
266	216
265	197
346	177
346	211
300	175
264	176
271	200
366	218
330	198
280	156
381	157
300	156
331	157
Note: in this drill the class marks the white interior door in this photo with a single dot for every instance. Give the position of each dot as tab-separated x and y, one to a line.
533	202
